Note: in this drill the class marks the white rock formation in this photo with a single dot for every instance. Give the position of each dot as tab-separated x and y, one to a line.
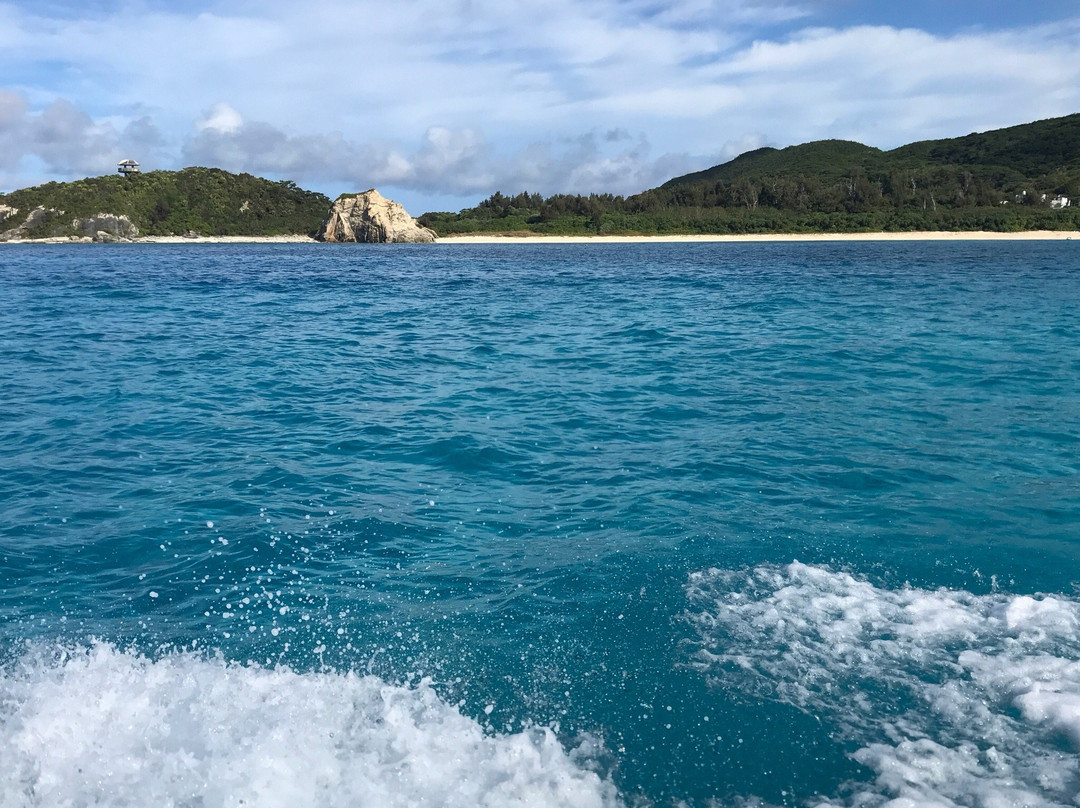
99	227
106	227
372	218
20	230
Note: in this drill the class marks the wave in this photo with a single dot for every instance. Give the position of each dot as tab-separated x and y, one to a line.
101	726
947	697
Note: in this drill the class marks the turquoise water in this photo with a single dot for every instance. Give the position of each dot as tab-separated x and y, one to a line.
540	524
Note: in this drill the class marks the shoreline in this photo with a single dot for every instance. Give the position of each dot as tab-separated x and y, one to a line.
291	239
928	235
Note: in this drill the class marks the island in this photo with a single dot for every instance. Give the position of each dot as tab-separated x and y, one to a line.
1019	180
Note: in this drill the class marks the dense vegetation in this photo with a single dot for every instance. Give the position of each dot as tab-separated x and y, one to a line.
1004	180
204	201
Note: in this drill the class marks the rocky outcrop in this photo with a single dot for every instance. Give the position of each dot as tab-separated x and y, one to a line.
106	227
373	219
6	212
44	224
35	217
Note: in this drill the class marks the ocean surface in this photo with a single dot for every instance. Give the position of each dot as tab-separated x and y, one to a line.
540	525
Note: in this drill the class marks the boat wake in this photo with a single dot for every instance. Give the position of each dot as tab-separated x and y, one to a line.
102	726
949	698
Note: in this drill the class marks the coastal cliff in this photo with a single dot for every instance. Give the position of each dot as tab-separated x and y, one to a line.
371	218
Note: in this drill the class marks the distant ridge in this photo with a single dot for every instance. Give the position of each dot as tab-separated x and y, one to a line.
818	157
1031	149
1028	150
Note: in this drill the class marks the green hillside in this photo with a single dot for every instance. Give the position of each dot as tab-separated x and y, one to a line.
822	157
1004	180
1031	149
204	201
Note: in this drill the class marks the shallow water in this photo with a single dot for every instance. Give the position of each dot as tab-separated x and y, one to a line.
540	524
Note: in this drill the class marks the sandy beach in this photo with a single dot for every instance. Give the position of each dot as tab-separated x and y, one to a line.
1032	235
296	239
226	240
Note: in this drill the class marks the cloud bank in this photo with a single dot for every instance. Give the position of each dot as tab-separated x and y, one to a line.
66	140
459	98
454	161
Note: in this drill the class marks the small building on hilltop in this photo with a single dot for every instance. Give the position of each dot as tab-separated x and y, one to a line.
127	167
1060	202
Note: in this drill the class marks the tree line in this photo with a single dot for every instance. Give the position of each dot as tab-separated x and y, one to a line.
1007	179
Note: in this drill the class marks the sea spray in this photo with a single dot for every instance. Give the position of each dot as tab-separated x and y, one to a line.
99	726
946	696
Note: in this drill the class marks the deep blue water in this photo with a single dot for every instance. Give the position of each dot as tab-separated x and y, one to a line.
607	523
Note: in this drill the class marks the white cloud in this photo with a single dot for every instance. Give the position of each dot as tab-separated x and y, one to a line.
220	118
888	86
13	109
66	140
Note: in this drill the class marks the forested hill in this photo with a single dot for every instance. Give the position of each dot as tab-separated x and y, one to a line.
1029	151
203	201
1007	179
822	158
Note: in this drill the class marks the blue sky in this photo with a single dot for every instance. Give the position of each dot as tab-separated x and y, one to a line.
439	103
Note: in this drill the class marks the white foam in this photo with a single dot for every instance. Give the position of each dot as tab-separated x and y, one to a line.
98	726
948	697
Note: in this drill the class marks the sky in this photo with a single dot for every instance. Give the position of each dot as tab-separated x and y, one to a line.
440	103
